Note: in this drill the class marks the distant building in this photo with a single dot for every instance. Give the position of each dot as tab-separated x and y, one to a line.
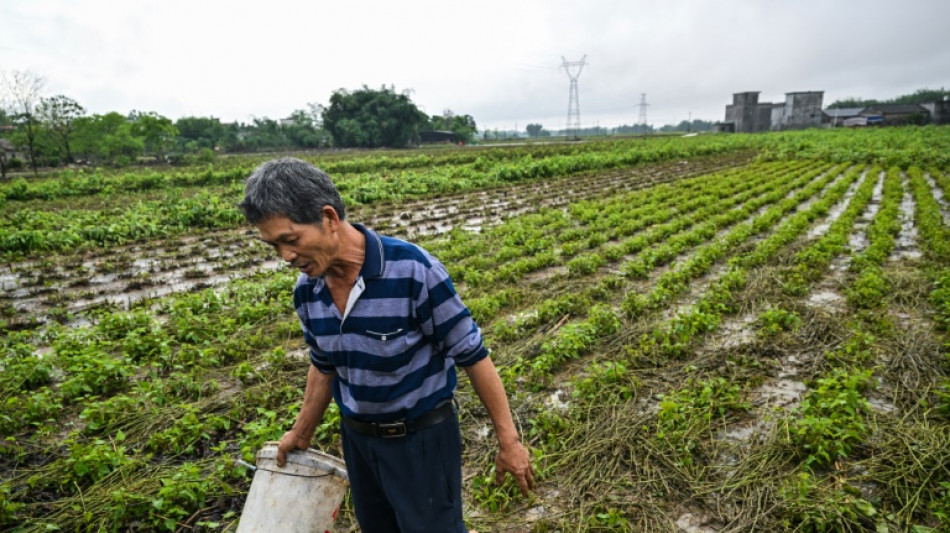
8	151
939	111
436	136
840	116
802	110
898	114
888	115
747	115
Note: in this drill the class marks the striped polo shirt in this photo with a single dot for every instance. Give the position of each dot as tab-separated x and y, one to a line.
395	347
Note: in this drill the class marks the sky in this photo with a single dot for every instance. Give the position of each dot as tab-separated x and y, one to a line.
499	61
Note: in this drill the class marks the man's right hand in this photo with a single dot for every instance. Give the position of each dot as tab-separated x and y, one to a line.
292	440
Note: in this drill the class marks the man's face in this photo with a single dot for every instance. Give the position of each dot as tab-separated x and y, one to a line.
307	247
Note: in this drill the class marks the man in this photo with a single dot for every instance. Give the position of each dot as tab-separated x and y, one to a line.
386	330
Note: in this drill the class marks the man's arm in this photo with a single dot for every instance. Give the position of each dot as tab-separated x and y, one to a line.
512	456
316	398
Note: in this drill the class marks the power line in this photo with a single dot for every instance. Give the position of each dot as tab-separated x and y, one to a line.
573	104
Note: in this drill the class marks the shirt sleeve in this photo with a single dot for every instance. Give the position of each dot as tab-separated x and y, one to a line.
317	357
446	320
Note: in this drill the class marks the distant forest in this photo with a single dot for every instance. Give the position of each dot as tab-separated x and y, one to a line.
921	96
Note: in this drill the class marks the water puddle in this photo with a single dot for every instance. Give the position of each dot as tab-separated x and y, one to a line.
782	394
939	197
836	210
738	332
858	240
545	273
826	298
905	246
554	401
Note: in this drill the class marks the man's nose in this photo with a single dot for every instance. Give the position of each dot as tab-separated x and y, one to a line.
287	254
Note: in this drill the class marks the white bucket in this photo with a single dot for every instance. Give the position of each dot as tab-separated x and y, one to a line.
302	497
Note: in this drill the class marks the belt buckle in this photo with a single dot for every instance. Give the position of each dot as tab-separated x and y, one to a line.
392	430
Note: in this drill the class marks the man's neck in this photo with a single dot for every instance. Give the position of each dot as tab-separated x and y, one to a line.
347	267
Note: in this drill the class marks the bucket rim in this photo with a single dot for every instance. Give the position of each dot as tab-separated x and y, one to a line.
329	463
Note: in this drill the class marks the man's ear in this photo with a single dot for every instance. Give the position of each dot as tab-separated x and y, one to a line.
330	216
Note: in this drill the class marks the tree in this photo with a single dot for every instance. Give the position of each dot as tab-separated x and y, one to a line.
107	138
58	115
157	132
303	130
462	126
22	90
534	130
372	118
920	96
852	102
206	132
5	144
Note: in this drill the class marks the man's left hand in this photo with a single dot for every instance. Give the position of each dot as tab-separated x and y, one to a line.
514	459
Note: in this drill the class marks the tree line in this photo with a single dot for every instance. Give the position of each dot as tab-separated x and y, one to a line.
537	130
49	131
920	96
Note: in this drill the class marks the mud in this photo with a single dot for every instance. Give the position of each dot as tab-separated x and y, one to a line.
836	210
123	275
939	196
905	245
858	240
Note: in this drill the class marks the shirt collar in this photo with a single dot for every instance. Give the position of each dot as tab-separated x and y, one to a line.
373	259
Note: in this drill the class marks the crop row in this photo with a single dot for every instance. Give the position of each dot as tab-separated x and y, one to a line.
887	147
558	237
132	421
831	422
28	230
372	178
576	339
810	263
718	196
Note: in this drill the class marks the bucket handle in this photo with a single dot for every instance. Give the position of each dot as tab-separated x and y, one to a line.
340	473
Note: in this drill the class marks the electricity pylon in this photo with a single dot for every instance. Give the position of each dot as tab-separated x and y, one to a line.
642	117
573	106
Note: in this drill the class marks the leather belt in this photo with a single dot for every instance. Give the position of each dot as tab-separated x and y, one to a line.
402	427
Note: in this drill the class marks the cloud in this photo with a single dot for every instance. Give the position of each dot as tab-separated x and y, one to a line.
495	60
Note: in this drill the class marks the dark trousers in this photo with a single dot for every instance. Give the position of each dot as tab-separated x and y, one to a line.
407	484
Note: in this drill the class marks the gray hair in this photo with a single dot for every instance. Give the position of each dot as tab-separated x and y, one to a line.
292	188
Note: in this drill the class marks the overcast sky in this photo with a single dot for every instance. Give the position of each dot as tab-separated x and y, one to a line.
497	60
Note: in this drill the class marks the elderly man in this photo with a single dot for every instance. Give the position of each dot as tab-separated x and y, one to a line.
386	330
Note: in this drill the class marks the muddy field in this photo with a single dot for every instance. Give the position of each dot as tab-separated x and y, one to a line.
703	345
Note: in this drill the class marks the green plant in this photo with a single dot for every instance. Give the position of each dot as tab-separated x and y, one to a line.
493	497
610	382
9	509
180	495
830	420
775	320
685	414
548	429
814	506
869	289
608	519
187	431
88	463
